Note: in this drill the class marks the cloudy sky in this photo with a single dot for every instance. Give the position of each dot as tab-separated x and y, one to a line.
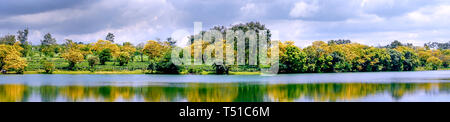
372	22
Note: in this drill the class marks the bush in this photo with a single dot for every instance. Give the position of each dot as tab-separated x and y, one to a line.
195	70
221	69
49	67
93	60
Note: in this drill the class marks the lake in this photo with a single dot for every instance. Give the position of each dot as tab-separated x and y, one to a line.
365	87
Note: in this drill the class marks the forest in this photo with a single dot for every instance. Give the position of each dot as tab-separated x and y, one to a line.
18	55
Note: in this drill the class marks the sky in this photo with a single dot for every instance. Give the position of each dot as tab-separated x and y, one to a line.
370	22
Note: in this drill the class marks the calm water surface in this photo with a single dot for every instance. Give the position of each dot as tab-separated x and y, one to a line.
371	87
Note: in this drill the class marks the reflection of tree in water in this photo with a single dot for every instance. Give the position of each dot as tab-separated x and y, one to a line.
197	92
444	87
73	93
398	90
220	92
250	92
48	93
109	93
340	91
284	93
127	93
159	93
14	93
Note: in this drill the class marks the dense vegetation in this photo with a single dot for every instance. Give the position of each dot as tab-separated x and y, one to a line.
19	55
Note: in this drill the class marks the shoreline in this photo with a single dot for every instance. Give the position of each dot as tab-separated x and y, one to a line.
182	73
131	72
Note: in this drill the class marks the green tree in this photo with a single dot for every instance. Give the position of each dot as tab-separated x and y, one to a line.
93	60
48	45
23	36
49	67
74	56
166	66
292	58
8	40
105	56
110	37
397	59
123	58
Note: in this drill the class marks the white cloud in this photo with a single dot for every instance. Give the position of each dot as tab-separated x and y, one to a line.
303	9
252	10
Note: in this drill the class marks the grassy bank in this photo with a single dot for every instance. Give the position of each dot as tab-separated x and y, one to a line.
448	68
143	72
131	72
87	72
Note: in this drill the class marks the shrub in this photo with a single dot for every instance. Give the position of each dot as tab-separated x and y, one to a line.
49	67
93	60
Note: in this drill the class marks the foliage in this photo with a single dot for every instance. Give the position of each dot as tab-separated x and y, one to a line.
123	58
48	40
411	60
105	56
93	60
10	58
221	69
331	56
110	37
166	66
8	40
153	50
396	44
338	42
433	63
292	58
49	67
101	45
23	36
74	56
437	45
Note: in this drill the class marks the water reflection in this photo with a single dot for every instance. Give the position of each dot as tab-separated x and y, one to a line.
229	92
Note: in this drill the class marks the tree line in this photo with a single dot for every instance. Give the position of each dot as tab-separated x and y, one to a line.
332	56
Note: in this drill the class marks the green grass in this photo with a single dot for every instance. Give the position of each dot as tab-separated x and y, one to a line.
132	72
425	69
448	68
87	72
245	73
61	64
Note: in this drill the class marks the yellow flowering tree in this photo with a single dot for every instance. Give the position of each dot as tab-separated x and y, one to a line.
73	54
128	48
10	58
433	63
126	53
101	45
153	49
